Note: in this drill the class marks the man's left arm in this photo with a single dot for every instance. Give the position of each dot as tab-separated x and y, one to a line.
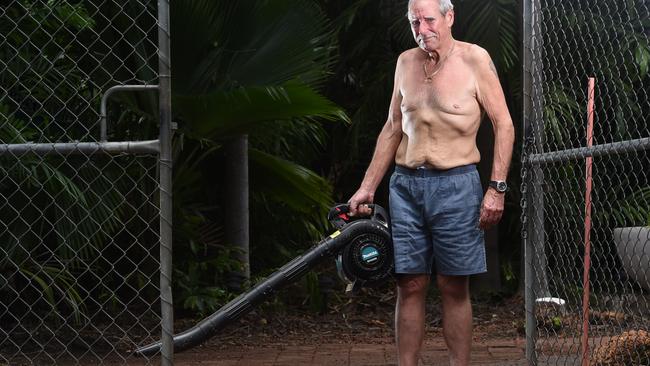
490	95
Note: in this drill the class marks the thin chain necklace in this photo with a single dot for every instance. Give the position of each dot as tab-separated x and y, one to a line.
429	78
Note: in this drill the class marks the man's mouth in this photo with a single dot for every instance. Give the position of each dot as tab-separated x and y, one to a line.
422	39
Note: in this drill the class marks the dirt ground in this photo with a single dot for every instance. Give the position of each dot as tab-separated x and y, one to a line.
367	318
356	331
350	330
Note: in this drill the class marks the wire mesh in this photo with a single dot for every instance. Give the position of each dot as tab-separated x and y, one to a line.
79	228
588	254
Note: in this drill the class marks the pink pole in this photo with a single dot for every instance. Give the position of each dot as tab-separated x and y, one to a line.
587	256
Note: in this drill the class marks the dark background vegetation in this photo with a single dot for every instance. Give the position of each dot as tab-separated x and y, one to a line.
358	45
307	81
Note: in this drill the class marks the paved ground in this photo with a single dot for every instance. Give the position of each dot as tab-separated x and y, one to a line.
501	352
494	352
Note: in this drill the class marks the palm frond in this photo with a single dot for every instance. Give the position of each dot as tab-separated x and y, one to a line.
226	113
299	140
224	44
561	112
55	283
492	25
292	184
631	210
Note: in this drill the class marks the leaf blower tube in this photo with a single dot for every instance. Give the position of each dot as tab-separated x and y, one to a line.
365	258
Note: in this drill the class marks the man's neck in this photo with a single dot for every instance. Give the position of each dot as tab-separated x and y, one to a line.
442	51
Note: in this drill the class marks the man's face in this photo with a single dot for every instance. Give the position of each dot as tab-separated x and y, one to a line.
428	25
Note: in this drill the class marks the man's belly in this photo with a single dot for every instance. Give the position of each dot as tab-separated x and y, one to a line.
443	153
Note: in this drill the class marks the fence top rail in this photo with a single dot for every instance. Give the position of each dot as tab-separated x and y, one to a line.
82	148
593	151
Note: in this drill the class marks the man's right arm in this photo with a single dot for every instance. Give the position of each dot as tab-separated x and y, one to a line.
387	143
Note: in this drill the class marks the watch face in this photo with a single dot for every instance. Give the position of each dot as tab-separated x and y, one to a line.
502	186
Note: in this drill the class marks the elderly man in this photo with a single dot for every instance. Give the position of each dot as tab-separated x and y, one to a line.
437	205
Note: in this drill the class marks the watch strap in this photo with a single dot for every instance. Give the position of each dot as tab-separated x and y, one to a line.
499	185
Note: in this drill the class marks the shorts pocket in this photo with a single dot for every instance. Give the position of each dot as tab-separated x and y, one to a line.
467	190
478	188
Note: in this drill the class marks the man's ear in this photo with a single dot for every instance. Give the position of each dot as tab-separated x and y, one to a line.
449	17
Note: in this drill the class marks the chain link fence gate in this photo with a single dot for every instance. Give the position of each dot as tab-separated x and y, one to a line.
85	180
586	205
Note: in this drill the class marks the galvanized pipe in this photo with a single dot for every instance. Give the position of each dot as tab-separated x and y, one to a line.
593	151
531	194
103	134
164	98
82	148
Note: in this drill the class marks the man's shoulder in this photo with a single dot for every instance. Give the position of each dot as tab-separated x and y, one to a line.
408	55
473	53
406	60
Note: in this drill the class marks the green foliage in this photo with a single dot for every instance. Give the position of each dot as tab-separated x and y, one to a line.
606	44
315	297
192	290
557	322
629	210
43	195
642	56
55	282
493	26
371	35
60	212
297	187
227	113
46	70
610	43
560	107
302	140
247	67
223	45
73	15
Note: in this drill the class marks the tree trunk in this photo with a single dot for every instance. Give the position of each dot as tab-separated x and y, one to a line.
236	208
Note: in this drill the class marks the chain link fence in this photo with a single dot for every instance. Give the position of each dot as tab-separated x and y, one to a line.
82	203
586	206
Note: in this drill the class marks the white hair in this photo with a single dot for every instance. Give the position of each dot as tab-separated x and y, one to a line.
445	6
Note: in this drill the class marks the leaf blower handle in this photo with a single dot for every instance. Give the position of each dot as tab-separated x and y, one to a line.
339	215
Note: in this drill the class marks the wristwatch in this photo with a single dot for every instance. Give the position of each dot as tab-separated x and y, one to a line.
499	185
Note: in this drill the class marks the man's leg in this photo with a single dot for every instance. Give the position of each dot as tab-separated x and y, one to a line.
409	317
456	317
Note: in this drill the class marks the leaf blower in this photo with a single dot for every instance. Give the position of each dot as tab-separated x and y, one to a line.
363	251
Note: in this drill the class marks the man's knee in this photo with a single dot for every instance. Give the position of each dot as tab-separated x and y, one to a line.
453	287
409	285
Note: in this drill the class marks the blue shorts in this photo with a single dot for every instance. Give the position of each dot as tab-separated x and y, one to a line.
434	216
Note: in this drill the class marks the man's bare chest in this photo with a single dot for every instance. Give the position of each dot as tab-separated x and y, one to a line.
451	90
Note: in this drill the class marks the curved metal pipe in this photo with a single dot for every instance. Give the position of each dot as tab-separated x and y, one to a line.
103	135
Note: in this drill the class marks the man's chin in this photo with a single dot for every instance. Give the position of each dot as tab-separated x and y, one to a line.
427	47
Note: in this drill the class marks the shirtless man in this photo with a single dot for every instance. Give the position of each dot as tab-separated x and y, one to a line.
437	205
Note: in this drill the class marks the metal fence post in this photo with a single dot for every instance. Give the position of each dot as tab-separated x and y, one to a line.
529	227
164	65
